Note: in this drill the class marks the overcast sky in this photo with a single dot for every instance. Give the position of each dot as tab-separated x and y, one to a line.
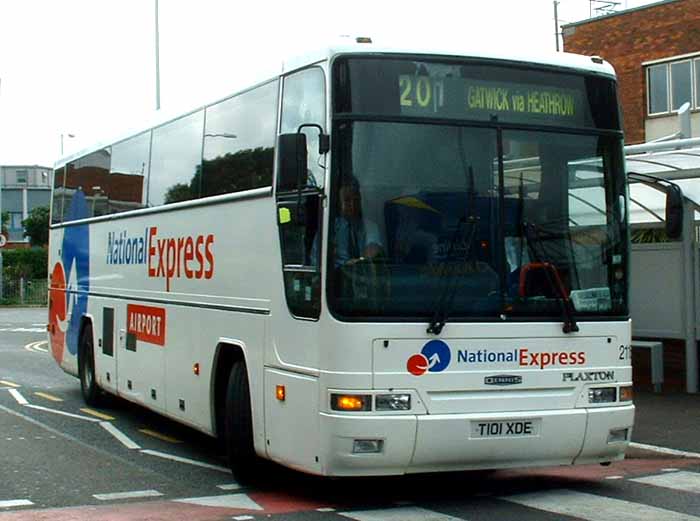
87	67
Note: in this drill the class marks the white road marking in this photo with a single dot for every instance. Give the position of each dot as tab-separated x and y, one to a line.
595	508
23	330
119	435
670	470
398	514
227	501
615	477
185	460
61	413
229	486
127	495
686	481
10	503
243	518
18	396
38	347
325	509
664	450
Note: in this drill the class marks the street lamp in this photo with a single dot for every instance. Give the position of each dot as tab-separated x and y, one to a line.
67	135
224	135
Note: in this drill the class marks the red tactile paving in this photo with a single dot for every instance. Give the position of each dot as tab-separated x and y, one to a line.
281	502
152	511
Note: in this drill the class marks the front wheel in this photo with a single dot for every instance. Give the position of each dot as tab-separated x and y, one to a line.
86	369
245	464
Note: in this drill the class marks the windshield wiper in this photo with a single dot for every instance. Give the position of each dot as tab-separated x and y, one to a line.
446	300
551	273
444	304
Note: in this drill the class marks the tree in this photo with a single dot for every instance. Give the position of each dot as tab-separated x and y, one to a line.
179	192
5	220
36	226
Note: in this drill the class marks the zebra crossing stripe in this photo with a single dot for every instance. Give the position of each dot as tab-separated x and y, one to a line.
127	495
685	481
12	503
399	514
241	501
595	508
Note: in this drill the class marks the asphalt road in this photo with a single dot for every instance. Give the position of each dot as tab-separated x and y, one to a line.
61	461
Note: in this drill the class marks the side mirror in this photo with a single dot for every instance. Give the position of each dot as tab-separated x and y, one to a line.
674	212
293	160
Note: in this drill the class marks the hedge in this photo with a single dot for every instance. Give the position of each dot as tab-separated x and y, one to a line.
30	263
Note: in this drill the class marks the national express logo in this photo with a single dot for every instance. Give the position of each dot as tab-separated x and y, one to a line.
191	257
70	282
436	356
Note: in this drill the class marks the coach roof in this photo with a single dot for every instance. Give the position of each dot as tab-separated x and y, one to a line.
564	60
553	59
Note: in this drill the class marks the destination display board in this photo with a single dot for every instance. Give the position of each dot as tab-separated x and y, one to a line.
481	92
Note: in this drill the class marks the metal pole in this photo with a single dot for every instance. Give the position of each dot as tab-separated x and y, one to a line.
157	62
556	24
691	350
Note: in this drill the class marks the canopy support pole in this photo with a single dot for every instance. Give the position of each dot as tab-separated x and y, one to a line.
689	301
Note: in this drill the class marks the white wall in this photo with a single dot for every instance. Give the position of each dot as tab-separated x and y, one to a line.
665	126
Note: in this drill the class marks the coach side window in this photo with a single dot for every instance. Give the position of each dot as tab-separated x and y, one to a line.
303	102
176	155
126	187
239	142
83	185
300	212
57	201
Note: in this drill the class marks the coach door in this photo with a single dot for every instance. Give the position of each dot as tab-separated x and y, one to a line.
141	356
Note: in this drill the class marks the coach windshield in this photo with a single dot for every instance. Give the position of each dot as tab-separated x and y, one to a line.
474	192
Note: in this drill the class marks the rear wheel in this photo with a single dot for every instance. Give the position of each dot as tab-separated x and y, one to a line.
246	466
86	369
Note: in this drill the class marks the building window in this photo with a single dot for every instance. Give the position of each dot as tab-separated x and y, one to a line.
670	85
21	176
696	66
16	221
658	89
681	84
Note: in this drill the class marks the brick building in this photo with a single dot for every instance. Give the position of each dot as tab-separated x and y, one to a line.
655	50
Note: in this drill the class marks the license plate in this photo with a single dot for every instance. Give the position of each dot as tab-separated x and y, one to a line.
505	428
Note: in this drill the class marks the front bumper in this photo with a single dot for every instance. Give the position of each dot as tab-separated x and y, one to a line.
445	442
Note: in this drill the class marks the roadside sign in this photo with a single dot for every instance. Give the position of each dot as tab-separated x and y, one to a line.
3	240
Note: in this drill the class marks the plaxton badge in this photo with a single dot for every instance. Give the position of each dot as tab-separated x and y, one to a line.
589	376
503	379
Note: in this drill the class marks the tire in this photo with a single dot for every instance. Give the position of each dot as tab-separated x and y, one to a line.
245	465
86	369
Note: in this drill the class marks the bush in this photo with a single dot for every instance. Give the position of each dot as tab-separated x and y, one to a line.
27	263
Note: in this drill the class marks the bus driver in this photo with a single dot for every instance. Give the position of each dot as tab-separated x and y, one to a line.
356	238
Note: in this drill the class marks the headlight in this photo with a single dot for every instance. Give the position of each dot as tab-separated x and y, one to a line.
393	402
602	395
